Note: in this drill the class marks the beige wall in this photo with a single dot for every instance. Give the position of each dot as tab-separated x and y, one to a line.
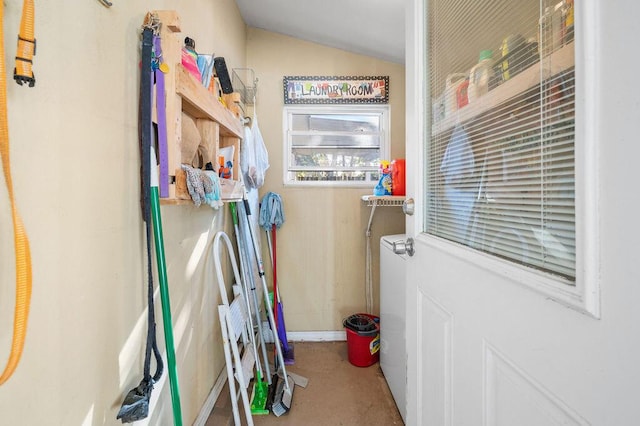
321	246
75	164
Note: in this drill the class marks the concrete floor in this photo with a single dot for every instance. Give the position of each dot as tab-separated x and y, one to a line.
338	393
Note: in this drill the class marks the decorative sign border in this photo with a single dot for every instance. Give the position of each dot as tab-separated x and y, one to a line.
336	90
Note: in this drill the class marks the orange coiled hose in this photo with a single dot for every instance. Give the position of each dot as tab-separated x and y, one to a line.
23	72
21	242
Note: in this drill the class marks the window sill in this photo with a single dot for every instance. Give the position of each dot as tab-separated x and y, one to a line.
330	184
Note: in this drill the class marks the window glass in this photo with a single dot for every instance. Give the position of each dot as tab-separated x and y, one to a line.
500	151
335	145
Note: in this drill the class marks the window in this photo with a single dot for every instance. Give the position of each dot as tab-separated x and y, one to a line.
335	145
500	155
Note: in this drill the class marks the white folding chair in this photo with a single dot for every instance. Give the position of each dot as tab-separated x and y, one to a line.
238	353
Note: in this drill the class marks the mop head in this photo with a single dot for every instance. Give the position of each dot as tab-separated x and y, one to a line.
288	354
136	404
259	397
283	397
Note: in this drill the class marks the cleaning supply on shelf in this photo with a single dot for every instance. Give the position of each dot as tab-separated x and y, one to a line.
437	109
205	65
517	54
224	169
568	22
384	184
190	57
451	93
479	76
227	171
462	94
398	176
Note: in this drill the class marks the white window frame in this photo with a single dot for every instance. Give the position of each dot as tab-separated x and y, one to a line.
385	121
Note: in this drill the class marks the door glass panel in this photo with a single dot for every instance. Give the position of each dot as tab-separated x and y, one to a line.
500	172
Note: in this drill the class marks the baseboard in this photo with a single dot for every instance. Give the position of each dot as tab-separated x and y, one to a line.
317	336
207	408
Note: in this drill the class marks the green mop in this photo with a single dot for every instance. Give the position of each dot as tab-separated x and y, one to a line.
164	292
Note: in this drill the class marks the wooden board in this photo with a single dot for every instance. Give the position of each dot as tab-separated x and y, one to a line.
200	103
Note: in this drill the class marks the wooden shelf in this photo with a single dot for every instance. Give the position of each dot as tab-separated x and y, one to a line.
198	102
556	62
217	126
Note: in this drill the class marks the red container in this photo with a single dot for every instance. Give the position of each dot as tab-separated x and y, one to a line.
398	176
363	347
461	94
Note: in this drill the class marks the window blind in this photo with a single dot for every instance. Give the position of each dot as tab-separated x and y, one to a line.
500	153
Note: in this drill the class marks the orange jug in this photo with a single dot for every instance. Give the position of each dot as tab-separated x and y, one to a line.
398	176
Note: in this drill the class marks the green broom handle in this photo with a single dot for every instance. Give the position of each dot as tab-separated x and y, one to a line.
164	292
234	213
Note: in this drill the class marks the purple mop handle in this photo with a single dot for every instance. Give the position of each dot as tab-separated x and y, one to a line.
282	332
162	122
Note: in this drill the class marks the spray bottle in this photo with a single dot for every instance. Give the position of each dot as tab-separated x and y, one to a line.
384	184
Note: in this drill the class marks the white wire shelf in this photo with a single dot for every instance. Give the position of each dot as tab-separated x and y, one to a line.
245	82
375	201
384	200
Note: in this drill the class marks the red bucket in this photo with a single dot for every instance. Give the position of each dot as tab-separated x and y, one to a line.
363	339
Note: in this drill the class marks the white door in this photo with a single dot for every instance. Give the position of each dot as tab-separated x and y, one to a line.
486	346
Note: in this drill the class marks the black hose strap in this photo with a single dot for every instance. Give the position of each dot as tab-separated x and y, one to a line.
145	190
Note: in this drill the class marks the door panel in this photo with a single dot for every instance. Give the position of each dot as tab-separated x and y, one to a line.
512	397
435	331
482	348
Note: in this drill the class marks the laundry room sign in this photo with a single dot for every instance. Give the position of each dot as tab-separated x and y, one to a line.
336	90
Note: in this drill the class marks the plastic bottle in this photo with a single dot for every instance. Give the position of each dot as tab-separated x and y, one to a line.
461	93
450	93
398	177
479	76
378	191
384	184
511	50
